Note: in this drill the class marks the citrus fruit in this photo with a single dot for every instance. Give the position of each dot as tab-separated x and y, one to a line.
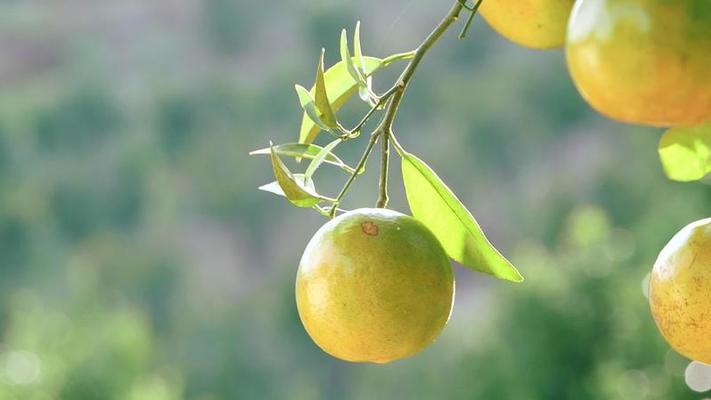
539	24
374	285
680	291
643	61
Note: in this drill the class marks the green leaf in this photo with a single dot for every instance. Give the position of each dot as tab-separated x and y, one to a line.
300	192
308	151
365	92
309	105
434	204
320	158
321	97
340	86
348	60
685	152
273	187
357	49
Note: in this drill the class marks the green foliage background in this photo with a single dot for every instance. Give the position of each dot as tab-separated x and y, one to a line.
138	260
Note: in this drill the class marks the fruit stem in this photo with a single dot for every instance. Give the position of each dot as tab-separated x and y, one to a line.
384	161
353	133
409	71
398	91
472	13
358	168
393	97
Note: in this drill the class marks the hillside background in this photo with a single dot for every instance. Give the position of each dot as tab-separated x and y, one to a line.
138	261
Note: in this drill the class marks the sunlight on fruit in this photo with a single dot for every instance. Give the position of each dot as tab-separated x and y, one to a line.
539	24
643	61
374	285
680	291
599	18
698	376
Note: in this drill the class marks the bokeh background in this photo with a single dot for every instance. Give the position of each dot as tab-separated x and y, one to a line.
138	261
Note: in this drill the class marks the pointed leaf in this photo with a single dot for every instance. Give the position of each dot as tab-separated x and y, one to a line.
348	60
273	187
357	50
308	151
320	157
434	204
366	95
321	97
364	92
685	152
340	87
309	105
300	192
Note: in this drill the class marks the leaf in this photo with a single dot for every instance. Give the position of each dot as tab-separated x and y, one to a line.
348	60
273	187
309	105
300	192
365	92
340	86
321	97
308	151
434	204
326	212
357	50
685	152
320	157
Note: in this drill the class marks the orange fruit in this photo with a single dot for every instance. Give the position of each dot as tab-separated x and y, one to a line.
539	24
680	291
643	61
374	285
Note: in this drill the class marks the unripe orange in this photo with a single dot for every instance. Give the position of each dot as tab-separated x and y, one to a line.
643	61
680	291
374	285
539	24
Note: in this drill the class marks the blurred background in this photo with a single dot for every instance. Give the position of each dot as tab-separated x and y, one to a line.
138	260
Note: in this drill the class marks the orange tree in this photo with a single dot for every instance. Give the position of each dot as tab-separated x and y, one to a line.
638	61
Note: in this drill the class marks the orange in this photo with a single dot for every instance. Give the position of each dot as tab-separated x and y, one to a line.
643	61
374	285
680	291
539	24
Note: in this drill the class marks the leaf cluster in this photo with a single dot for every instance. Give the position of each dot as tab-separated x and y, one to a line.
430	200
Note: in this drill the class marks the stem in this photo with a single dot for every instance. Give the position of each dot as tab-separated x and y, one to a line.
354	132
386	127
397	57
409	71
359	167
384	162
467	24
398	148
394	96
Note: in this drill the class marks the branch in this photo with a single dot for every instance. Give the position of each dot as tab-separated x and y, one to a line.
386	126
393	97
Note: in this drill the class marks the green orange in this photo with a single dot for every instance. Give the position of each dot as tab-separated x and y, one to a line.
539	24
680	291
643	61
374	285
